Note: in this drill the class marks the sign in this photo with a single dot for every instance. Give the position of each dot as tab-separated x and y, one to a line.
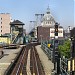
49	45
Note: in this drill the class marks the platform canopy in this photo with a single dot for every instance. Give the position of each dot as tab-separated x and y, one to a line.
16	22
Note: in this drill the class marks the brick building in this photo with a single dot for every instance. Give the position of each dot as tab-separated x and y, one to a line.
47	33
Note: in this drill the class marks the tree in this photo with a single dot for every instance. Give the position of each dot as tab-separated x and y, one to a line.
65	49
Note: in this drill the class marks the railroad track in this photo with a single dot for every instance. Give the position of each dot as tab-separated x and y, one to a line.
28	63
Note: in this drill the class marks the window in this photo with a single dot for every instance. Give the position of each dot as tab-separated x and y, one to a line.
1	30
1	26
48	22
1	18
1	22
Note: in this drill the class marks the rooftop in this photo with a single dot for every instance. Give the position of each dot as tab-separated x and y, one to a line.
16	22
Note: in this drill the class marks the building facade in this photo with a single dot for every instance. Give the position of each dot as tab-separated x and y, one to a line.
47	29
5	20
47	33
16	29
48	20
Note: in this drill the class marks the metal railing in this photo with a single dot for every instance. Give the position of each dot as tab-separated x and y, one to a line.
47	50
64	66
63	61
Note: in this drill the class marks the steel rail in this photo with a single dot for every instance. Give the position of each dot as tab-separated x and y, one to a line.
35	63
19	65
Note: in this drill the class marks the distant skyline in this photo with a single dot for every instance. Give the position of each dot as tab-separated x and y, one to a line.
25	10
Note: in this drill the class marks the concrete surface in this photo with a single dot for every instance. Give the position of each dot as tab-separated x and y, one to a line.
47	64
9	56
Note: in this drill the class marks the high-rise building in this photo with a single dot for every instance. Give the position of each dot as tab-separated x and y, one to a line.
5	20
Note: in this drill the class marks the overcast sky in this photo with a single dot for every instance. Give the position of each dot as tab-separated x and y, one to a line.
25	10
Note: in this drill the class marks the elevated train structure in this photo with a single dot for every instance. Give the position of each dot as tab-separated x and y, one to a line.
27	62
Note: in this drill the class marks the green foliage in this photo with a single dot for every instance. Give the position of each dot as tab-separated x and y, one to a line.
65	49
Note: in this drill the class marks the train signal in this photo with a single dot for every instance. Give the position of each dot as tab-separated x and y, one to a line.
56	29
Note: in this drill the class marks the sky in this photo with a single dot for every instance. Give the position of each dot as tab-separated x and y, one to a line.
25	10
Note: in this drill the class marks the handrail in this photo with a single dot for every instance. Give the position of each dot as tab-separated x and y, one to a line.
62	61
47	50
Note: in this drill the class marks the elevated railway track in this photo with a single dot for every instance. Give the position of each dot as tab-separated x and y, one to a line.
28	62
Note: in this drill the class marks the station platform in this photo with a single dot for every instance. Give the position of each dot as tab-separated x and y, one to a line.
8	58
47	64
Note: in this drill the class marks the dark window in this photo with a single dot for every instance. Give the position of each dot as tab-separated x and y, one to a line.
1	22
1	26
1	18
1	30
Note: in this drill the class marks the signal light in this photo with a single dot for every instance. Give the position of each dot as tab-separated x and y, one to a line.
56	29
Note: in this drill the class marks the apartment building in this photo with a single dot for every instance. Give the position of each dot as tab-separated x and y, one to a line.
5	20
